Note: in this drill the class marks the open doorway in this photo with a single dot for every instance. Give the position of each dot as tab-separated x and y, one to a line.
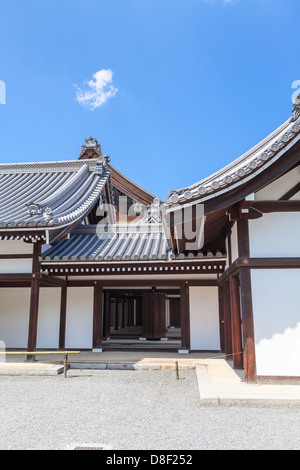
140	318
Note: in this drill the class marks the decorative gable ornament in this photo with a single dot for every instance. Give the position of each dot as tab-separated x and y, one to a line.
91	144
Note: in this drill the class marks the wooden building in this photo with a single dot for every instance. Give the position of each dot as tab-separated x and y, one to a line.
89	260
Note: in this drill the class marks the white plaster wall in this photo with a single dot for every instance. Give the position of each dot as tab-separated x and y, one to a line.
10	266
14	316
48	320
79	322
204	318
15	247
275	235
281	186
234	243
277	321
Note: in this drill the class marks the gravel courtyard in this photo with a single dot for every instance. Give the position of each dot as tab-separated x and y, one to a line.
134	410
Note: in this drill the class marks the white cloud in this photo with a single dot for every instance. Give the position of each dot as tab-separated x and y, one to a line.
98	91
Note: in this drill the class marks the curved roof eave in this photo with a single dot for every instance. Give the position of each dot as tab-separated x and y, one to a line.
243	169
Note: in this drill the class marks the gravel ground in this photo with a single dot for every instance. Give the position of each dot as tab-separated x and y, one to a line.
134	410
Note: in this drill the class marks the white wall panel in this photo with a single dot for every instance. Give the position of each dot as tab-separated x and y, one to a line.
79	322
204	318
275	235
277	321
48	320
14	316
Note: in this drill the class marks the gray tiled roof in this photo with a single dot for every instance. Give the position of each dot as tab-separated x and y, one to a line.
131	244
55	194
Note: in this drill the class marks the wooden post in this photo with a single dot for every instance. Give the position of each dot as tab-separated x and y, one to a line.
243	238
33	316
236	323
128	300
106	315
62	322
34	301
248	325
98	316
185	316
116	313
246	302
122	312
227	321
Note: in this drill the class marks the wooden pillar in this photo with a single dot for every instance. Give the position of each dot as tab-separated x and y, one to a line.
98	316
248	325
185	316
243	238
227	321
106	315
122	312
34	302
33	316
237	354
62	321
117	314
246	302
128	300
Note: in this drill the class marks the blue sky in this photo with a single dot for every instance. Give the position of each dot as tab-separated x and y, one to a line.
185	86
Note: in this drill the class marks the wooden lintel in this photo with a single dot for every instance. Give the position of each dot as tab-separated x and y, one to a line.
53	281
276	206
147	283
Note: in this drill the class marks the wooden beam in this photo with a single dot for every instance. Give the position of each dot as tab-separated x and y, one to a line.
53	281
13	256
237	353
147	283
192	266
248	326
276	206
259	263
289	194
269	263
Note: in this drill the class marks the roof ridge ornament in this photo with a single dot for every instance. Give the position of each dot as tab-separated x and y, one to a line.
91	143
296	109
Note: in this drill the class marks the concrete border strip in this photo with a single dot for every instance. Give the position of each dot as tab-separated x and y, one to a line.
206	391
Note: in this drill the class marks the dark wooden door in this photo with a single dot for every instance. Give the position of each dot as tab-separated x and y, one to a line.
154	315
175	313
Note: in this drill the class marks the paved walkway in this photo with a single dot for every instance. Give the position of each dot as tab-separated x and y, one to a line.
218	383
